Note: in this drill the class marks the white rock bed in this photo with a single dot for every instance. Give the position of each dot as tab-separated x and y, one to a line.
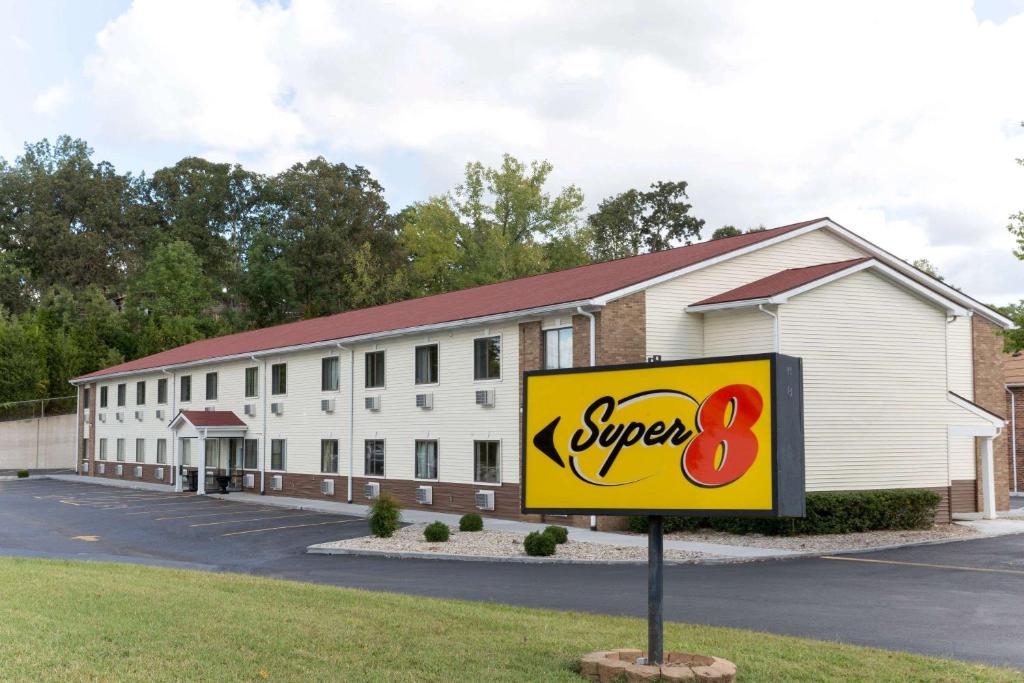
829	543
501	544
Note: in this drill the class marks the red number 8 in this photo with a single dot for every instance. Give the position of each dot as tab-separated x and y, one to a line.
739	445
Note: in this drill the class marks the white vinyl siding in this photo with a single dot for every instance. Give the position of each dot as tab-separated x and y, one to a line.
737	331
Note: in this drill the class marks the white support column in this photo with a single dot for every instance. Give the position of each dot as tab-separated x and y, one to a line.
202	464
988	479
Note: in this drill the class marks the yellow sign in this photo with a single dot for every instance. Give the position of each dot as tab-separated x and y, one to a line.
715	435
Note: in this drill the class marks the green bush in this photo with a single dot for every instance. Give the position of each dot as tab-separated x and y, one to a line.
471	522
539	544
837	512
22	474
559	533
436	532
384	516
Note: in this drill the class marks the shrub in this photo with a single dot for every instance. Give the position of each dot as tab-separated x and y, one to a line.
384	516
835	512
559	533
22	474
539	544
471	522
436	532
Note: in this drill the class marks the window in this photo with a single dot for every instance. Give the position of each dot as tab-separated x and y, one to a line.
487	358
120	450
251	454
85	397
329	456
426	364
277	454
213	454
329	373
161	391
485	462
161	451
558	348
103	397
211	386
140	450
374	369
252	382
122	394
186	388
374	458
103	449
426	460
186	452
85	449
140	393
279	378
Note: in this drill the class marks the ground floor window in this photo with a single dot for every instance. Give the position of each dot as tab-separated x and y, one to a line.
186	451
251	457
426	460
374	458
140	450
85	449
485	462
120	450
277	454
161	451
103	449
329	456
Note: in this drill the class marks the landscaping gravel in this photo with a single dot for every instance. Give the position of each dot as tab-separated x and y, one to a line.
828	543
501	544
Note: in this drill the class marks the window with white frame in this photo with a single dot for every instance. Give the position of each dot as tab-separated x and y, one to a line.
161	451
329	373
278	454
485	462
161	391
558	348
329	456
374	466
211	386
120	450
186	388
140	393
487	358
103	449
86	396
374	369
122	395
252	382
426	459
103	397
140	450
426	364
250	460
279	378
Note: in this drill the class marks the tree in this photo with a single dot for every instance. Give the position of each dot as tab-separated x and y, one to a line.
23	372
726	231
636	222
371	282
926	266
1016	225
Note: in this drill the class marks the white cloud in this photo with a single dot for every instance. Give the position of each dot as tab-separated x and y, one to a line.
52	99
899	120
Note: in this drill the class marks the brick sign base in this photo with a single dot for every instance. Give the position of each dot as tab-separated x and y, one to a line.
620	665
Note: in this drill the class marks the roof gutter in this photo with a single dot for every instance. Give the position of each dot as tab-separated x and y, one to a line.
592	338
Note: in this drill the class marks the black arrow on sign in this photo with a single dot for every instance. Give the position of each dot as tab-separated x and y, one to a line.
544	440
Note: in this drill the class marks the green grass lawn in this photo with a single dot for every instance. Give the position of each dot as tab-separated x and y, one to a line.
83	621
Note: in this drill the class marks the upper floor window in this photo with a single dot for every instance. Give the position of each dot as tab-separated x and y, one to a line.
252	382
426	364
122	394
103	397
558	348
140	393
211	386
329	373
186	388
161	391
487	358
374	369
85	397
279	378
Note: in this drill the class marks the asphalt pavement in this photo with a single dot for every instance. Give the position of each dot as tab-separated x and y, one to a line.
963	600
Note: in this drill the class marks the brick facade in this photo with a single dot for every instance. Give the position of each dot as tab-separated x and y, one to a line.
622	331
990	394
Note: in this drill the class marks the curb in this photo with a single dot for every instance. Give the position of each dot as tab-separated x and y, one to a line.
514	559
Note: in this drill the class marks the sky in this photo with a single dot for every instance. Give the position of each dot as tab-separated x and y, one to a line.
900	121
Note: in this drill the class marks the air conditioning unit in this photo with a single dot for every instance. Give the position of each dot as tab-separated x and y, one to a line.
85	467
160	414
371	490
119	470
102	417
250	409
138	415
484	500
276	482
249	481
327	405
277	408
138	471
425	401
425	495
158	474
373	402
327	487
210	409
119	416
101	468
485	397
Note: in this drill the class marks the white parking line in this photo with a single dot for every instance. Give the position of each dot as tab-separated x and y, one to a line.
257	519
293	526
216	514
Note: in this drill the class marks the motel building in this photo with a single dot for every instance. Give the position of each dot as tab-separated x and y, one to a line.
903	383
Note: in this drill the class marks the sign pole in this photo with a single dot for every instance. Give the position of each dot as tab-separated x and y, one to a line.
655	591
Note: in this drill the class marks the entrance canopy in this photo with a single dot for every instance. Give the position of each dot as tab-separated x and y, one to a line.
208	424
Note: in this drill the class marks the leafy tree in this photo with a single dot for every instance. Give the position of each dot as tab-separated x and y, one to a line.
636	222
726	231
371	282
926	266
1016	225
1013	339
23	372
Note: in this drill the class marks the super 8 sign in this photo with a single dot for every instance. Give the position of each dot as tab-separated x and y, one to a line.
704	437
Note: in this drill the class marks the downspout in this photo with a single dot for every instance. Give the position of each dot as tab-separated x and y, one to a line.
775	325
351	416
593	361
1013	438
263	412
175	465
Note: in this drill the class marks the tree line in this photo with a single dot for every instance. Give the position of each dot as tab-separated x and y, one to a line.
99	266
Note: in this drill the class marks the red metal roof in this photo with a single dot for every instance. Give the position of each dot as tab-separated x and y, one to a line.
549	289
780	282
212	418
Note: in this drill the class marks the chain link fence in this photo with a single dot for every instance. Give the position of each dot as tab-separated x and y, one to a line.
43	407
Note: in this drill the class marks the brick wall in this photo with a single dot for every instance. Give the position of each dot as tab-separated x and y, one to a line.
990	393
1018	393
622	331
